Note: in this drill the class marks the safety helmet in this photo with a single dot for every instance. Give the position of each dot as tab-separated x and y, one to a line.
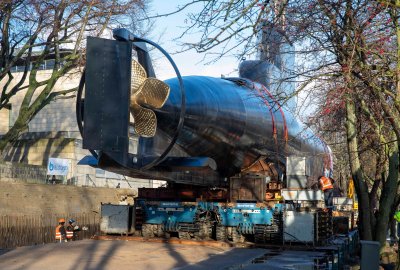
71	220
61	220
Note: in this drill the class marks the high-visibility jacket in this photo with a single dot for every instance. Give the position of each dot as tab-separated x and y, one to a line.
397	216
70	234
325	183
60	232
350	189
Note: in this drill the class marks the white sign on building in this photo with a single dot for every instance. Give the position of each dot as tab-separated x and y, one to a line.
58	166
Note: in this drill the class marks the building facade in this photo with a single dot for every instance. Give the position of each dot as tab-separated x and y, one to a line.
53	133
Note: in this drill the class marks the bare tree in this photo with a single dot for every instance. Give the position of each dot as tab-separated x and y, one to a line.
362	38
349	56
35	30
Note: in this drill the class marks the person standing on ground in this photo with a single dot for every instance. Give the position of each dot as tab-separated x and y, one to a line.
61	234
326	185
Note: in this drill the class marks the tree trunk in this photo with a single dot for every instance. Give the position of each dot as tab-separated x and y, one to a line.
389	191
357	174
12	135
393	229
28	108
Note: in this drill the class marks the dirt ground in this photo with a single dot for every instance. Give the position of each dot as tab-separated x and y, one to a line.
98	254
135	254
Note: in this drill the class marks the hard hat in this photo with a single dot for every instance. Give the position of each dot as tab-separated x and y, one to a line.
71	220
61	220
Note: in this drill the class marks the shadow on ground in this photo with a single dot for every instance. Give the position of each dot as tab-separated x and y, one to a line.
104	255
3	251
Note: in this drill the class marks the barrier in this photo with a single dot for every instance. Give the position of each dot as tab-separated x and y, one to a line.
16	231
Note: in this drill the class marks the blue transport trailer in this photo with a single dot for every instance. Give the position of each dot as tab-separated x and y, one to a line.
210	220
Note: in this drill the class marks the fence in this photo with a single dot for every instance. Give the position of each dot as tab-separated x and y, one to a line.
23	173
16	231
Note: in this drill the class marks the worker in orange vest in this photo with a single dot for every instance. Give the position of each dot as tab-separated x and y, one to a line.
326	185
72	230
61	234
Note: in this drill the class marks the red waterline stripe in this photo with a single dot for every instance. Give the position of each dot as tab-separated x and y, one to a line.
286	136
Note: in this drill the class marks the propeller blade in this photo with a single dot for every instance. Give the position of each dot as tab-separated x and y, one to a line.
145	121
138	76
152	93
146	92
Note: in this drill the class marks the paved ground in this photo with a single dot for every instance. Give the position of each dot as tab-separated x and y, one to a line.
121	255
96	254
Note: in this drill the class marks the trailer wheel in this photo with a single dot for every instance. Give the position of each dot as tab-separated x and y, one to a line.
220	233
147	230
205	231
259	234
209	230
184	235
159	231
237	237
